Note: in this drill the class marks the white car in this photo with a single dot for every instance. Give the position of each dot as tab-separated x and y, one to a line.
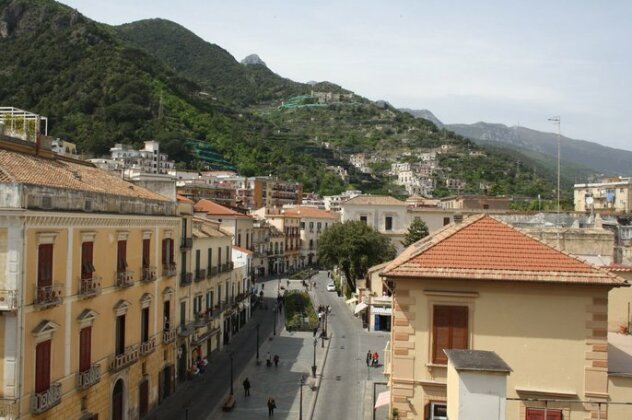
331	287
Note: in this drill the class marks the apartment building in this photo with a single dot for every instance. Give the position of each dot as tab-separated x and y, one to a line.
485	285
313	222
288	256
333	202
85	303
239	225
146	160
612	193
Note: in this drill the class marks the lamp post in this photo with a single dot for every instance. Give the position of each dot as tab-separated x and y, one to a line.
231	374
275	319
300	405
258	343
314	365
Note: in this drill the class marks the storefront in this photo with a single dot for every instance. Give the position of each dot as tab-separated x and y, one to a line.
381	318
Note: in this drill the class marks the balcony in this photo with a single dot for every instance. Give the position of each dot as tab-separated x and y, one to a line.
186	279
89	377
149	274
187	243
8	409
169	335
226	267
200	320
46	400
90	287
8	302
46	296
124	278
214	271
185	330
148	346
128	357
200	275
169	270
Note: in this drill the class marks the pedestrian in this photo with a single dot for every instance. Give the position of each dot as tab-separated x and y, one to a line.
314	285
263	286
246	387
271	406
375	359
268	360
276	360
369	357
315	331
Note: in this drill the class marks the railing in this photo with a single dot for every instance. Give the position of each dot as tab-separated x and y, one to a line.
148	346
387	358
187	243
214	271
169	270
8	300
225	267
90	287
46	400
89	377
149	274
200	275
8	409
186	279
48	295
169	335
119	361
242	296
124	278
185	330
199	321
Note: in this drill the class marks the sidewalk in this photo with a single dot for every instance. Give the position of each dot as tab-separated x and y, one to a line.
296	354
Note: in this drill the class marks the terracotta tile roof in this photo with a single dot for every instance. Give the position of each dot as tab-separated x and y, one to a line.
244	250
184	199
379	200
618	267
213	209
23	168
310	213
204	228
485	248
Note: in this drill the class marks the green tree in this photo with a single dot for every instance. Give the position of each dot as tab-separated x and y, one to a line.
416	231
354	247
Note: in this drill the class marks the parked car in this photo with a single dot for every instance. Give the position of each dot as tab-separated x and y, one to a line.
331	287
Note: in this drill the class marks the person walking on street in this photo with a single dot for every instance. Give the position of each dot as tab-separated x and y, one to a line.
271	406
268	360
246	387
375	359
369	356
276	360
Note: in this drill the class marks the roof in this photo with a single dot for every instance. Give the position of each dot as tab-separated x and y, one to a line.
484	248
310	213
212	208
204	228
477	360
24	168
619	354
375	200
244	250
618	267
184	199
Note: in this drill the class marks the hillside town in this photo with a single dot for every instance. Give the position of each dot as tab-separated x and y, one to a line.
129	286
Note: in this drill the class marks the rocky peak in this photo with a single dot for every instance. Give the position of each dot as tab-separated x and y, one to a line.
18	17
253	59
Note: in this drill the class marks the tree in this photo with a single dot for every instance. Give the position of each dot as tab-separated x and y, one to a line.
416	231
354	247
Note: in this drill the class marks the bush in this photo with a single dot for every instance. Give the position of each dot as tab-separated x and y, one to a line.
298	306
304	274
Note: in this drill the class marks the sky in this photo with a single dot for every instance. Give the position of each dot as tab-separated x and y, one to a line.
510	62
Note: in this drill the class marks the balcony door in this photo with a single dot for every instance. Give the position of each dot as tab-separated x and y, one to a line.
117	401
120	334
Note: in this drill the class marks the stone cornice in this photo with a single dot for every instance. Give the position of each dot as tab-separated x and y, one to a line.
67	220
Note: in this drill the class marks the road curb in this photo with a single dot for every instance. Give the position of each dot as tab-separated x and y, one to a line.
310	414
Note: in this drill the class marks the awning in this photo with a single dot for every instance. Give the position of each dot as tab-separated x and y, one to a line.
383	398
360	307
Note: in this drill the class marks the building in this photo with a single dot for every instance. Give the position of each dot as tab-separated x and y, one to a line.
612	194
288	257
483	284
313	223
62	147
146	160
475	202
374	304
333	202
87	289
385	214
239	225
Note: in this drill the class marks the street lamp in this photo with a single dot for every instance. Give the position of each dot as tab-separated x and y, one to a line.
300	405
275	319
258	344
314	365
231	374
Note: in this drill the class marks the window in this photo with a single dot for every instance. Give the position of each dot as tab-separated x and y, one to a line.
436	411
363	219
311	226
144	325
209	259
538	414
247	240
146	248
183	313
446	221
239	239
197	260
449	331
219	256
209	300
311	244
303	225
86	260
42	366
45	265
167	251
219	293
485	206
120	335
227	253
318	226
121	256
85	344
388	223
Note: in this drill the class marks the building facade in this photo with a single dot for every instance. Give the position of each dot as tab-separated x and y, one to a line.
609	194
313	223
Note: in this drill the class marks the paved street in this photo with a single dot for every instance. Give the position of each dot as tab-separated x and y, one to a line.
347	383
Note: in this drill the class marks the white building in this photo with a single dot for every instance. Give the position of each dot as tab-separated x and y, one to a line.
609	194
147	160
332	202
313	223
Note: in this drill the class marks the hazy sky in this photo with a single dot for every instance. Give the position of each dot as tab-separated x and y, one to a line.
511	62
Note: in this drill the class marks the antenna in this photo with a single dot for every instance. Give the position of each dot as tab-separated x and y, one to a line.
557	120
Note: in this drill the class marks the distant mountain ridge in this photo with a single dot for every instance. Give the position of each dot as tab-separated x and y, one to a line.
603	159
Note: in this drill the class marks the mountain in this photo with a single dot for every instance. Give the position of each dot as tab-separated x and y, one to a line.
425	114
253	60
600	158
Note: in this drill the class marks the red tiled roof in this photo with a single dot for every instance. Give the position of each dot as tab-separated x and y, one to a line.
184	199
310	212
618	267
212	208
485	248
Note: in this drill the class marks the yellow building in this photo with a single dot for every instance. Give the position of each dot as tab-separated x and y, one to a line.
485	285
289	224
86	289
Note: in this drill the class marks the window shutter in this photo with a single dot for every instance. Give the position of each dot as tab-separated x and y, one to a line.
146	250
171	259
121	256
42	366
460	336
85	348
164	252
87	250
45	265
441	333
538	414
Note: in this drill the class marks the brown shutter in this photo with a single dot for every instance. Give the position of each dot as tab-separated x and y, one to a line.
42	366
45	265
146	250
86	260
538	414
441	333
171	258
460	335
164	252
121	263
85	348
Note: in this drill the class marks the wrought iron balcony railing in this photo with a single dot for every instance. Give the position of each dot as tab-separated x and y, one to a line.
124	278
8	409
89	377
45	400
169	335
169	270
8	300
148	346
200	275
48	295
90	286
186	279
149	274
187	243
128	357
